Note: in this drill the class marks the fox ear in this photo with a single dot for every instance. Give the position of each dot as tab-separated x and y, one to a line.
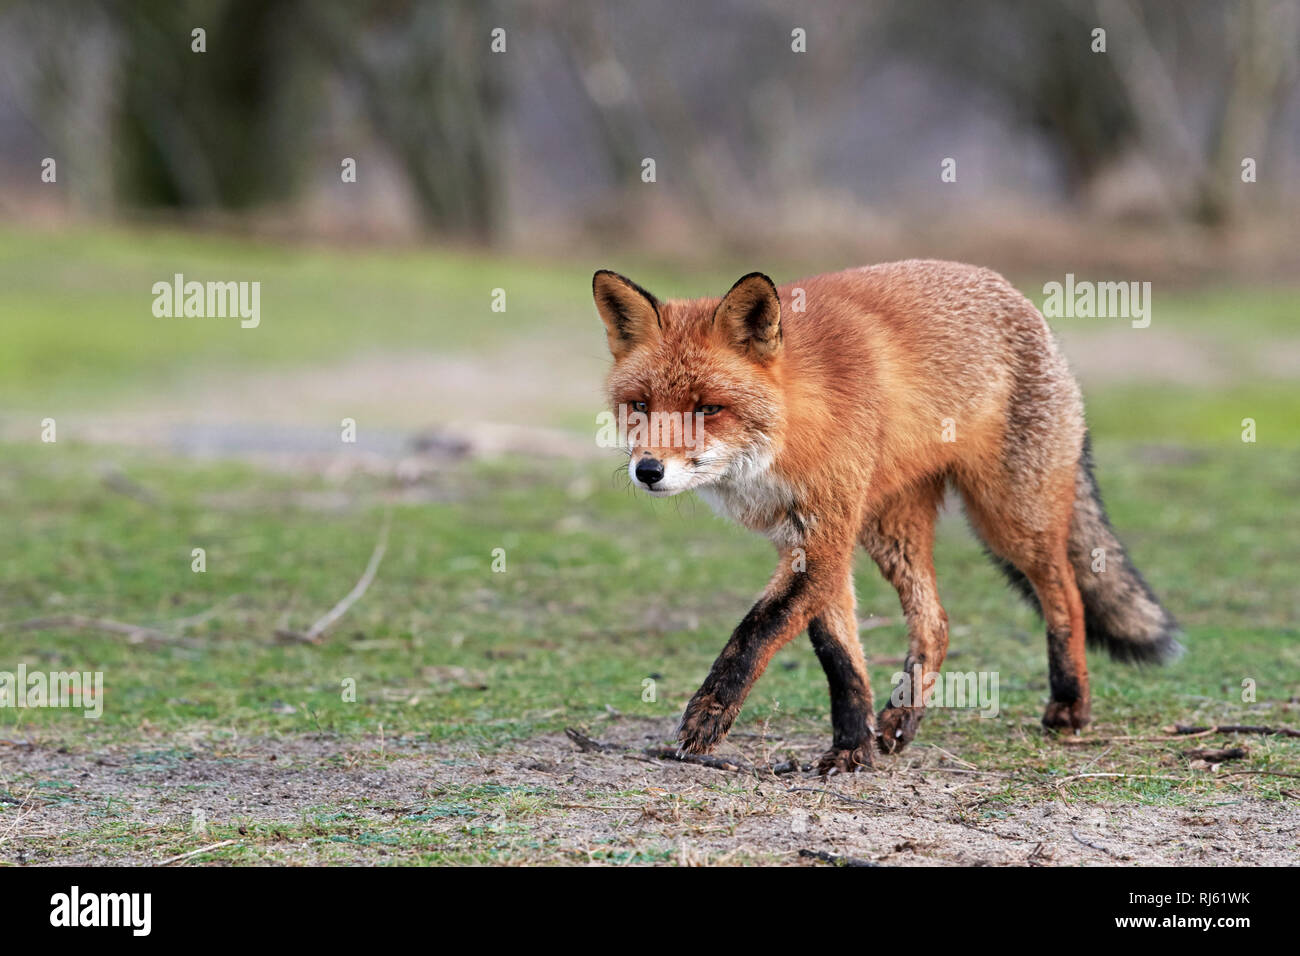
630	313
749	317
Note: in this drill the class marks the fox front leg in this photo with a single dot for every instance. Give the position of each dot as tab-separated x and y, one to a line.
834	635
790	602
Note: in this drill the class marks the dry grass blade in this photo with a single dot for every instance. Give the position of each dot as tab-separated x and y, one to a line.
135	633
23	810
202	849
313	634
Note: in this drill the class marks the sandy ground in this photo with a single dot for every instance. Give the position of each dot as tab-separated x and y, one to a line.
917	809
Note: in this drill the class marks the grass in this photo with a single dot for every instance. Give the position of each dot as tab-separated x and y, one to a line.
602	591
76	310
78	331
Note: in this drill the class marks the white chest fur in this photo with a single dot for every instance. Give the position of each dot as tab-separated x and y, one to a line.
754	496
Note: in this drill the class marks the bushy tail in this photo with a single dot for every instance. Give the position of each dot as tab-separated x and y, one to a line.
1121	615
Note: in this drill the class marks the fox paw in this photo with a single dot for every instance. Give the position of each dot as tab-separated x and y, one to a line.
846	760
1073	715
704	724
896	726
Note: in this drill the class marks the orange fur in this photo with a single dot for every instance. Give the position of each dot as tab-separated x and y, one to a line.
843	423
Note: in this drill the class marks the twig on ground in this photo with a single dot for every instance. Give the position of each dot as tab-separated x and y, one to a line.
1131	776
1096	846
586	744
1266	773
704	760
835	859
1217	756
202	849
1134	738
1183	729
313	634
135	633
840	796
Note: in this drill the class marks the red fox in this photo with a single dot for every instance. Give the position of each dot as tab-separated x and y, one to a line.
835	412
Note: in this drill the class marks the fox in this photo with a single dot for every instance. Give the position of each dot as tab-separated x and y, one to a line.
837	411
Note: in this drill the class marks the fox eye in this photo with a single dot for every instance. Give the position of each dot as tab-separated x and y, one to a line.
709	409
640	406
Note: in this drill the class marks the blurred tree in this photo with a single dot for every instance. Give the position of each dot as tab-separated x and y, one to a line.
1265	40
222	128
743	128
1259	40
433	93
62	83
1036	59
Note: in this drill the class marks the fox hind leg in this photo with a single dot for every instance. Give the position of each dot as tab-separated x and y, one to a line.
1036	542
900	538
1070	705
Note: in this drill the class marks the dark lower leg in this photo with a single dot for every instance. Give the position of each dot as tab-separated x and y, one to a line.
792	599
1067	666
834	636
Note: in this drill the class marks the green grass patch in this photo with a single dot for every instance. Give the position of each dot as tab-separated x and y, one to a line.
602	592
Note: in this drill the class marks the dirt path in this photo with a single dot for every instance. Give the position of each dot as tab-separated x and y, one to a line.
319	800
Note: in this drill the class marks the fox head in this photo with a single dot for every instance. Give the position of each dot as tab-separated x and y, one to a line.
697	382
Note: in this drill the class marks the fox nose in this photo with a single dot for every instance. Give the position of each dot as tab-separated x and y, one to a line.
649	470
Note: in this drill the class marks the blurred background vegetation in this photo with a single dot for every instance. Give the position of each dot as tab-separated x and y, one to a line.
755	145
519	166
